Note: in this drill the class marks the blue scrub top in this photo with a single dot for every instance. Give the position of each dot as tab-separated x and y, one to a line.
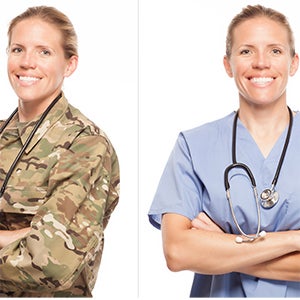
193	181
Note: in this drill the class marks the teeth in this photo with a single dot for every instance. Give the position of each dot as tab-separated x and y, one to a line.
262	79
28	78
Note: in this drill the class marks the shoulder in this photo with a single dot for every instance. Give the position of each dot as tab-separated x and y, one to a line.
77	124
74	117
209	131
72	127
87	129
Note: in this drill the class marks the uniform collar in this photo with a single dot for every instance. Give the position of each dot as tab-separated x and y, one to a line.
24	129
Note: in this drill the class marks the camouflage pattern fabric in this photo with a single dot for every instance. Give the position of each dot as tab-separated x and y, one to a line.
65	188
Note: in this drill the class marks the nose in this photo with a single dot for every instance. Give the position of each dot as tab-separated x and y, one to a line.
261	61
27	60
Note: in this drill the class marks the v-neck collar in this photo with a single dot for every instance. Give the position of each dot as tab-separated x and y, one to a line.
246	140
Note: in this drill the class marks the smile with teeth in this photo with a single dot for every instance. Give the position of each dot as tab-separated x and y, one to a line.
28	78
262	80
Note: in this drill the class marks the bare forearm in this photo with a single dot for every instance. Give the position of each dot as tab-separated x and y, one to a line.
286	267
219	253
210	252
9	236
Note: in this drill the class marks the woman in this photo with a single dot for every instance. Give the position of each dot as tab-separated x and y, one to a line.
59	171
238	243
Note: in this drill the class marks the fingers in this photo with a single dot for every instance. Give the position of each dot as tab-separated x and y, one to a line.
202	221
197	223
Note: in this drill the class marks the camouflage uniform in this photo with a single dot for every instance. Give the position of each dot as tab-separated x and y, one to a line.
65	188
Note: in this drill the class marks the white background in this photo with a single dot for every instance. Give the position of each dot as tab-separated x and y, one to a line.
147	70
182	85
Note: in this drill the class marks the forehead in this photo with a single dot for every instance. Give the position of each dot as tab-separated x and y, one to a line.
35	30
259	29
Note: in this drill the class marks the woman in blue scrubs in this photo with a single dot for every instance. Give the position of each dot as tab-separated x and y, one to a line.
190	205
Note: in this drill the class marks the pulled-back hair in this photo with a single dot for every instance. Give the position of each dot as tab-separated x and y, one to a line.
251	12
53	16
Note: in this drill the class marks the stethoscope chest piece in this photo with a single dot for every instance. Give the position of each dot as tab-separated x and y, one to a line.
269	198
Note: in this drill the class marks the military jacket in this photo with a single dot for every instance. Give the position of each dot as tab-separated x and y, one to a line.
65	187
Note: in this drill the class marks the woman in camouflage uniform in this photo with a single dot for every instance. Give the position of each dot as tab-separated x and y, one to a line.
57	198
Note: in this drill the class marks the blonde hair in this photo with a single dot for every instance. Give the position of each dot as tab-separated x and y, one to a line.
53	16
255	11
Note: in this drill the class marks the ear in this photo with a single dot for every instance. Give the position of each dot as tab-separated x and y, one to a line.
227	66
71	65
294	65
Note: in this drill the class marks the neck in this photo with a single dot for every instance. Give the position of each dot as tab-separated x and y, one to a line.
265	124
265	118
29	110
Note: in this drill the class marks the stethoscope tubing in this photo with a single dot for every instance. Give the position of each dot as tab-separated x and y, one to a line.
244	167
249	237
240	166
228	196
28	140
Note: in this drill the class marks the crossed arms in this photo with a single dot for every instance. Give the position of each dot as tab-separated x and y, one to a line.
202	247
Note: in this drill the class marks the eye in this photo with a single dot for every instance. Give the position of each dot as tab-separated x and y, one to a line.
15	50
276	51
45	52
245	52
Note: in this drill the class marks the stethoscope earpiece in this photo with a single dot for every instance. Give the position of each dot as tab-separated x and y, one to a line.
240	239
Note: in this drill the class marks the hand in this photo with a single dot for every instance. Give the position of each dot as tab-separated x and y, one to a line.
204	222
9	236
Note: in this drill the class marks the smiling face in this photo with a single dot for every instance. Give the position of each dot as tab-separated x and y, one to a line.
260	61
36	63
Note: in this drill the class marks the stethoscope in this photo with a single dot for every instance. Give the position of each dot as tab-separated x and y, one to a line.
21	152
268	198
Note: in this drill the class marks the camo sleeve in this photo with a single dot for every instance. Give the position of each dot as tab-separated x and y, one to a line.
67	230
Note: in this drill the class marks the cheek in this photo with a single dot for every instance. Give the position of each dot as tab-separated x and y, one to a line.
239	68
11	64
11	69
55	74
57	68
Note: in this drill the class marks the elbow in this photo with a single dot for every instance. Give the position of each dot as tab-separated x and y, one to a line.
174	258
178	258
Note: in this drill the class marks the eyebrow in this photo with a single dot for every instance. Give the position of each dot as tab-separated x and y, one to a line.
36	46
269	45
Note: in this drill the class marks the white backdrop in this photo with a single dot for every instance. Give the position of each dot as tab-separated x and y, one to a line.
104	87
182	84
147	70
